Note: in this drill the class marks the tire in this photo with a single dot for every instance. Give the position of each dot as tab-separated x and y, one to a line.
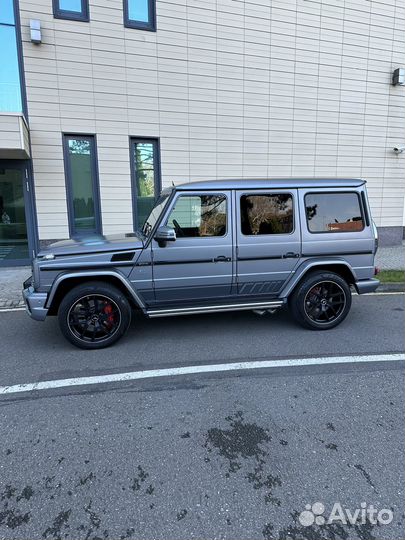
94	315
321	301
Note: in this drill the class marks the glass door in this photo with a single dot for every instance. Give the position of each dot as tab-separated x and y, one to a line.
14	243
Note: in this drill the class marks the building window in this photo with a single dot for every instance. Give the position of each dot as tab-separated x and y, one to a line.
81	172
10	83
146	183
140	14
77	10
333	212
267	214
199	216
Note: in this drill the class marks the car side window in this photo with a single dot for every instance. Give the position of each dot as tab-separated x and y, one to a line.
199	216
333	212
266	214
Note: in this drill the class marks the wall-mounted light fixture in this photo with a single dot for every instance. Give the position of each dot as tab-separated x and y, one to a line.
399	149
398	77
35	29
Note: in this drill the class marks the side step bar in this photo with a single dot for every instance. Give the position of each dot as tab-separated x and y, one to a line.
153	313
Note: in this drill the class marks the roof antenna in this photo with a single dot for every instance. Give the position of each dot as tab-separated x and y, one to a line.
172	183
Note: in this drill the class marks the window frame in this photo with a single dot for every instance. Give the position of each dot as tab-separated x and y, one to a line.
199	194
261	193
83	15
149	26
156	167
334	193
95	184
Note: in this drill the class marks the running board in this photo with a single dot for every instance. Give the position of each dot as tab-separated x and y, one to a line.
153	313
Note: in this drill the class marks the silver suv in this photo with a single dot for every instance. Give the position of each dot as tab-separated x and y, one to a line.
215	246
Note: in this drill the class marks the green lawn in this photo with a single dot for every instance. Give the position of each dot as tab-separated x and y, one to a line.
391	276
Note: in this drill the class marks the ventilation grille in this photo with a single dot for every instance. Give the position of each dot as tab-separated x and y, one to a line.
121	257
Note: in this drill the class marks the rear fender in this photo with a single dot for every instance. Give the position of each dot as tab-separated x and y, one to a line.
314	264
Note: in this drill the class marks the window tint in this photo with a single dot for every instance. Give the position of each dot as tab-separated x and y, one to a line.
146	177
333	212
140	14
71	9
199	216
267	214
10	86
82	182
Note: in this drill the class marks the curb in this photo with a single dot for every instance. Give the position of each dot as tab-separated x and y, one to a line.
391	287
11	304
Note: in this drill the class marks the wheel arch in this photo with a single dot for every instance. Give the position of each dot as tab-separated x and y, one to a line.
337	266
65	282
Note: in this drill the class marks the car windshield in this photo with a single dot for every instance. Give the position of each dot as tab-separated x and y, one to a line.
151	220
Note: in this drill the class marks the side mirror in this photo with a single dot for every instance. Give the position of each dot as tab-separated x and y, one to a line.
165	234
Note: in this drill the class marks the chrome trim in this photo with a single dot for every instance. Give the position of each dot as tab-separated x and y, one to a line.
153	313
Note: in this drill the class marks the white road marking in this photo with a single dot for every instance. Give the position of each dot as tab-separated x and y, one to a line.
7	310
194	370
380	293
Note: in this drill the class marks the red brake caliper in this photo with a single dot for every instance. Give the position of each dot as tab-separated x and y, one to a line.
108	310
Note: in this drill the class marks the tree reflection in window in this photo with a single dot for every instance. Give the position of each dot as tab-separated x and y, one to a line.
333	212
267	214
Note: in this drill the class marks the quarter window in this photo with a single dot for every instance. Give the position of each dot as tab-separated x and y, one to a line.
82	184
333	212
146	182
140	14
196	216
77	10
266	214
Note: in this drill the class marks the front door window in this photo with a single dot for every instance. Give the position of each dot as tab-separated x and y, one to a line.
199	216
13	225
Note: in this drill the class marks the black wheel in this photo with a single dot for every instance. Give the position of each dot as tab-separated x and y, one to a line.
321	301
94	315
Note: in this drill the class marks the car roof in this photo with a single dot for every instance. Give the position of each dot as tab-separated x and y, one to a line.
274	183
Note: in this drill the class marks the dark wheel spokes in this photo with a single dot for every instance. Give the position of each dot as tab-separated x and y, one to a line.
94	318
324	302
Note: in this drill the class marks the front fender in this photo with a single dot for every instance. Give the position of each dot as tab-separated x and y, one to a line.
311	264
94	274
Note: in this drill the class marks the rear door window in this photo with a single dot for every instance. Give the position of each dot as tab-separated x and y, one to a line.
333	212
266	214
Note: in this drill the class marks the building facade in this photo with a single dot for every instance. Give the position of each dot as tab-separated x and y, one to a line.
103	102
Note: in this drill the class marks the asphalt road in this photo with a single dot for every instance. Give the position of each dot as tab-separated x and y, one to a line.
232	456
36	351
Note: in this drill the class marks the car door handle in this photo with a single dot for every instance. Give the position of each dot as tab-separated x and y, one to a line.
290	255
222	258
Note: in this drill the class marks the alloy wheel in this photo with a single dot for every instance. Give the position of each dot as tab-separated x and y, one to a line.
94	318
325	302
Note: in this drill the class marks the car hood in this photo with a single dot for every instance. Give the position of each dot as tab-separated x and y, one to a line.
94	244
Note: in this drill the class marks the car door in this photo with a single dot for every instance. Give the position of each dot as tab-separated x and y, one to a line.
198	265
268	240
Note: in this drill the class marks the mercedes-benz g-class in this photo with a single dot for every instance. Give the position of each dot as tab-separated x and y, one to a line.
215	246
